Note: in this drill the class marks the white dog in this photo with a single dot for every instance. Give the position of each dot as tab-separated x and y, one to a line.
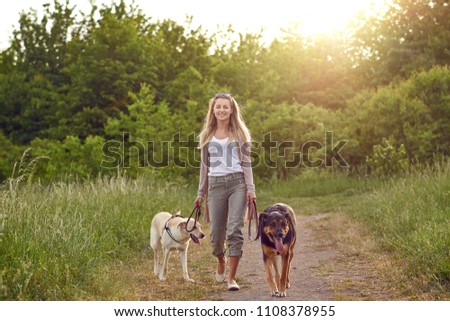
170	233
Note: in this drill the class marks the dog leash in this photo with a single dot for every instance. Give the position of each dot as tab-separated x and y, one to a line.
252	214
197	211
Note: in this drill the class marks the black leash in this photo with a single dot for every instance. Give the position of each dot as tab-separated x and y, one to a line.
167	229
197	211
252	214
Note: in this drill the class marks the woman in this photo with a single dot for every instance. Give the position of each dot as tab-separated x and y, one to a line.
226	179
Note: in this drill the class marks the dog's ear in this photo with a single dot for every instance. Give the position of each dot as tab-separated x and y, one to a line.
288	218
178	213
182	224
262	218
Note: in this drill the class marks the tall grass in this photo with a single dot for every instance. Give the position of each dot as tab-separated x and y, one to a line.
55	239
316	183
412	216
315	191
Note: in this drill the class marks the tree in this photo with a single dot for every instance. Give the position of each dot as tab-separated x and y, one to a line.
32	67
182	62
110	60
309	70
414	113
287	137
412	35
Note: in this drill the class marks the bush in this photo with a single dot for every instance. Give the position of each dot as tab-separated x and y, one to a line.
414	113
388	160
69	159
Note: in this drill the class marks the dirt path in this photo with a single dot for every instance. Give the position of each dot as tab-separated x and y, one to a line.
336	258
334	261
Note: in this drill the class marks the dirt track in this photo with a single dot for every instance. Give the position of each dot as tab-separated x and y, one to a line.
330	263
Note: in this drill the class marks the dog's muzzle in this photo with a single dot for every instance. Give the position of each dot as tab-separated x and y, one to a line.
278	240
195	239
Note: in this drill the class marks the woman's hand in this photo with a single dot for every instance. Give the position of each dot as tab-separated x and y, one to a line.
251	196
198	201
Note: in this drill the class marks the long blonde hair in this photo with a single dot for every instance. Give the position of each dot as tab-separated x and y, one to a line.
238	130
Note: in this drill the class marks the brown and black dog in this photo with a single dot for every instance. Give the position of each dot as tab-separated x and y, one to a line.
277	230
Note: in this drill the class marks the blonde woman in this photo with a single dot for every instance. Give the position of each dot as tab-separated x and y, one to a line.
226	180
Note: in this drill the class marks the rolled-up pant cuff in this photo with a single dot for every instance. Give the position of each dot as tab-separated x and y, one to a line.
235	253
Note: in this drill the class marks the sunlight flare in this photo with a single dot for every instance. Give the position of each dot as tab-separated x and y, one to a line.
326	16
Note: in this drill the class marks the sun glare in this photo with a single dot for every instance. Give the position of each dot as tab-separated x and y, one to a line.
328	16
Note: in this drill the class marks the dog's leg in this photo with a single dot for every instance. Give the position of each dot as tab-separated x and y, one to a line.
163	269
291	257
156	259
155	244
277	274
285	258
183	257
268	262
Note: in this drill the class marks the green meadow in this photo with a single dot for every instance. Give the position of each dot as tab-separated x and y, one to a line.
58	240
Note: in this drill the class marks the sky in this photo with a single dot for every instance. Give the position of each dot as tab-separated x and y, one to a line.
270	16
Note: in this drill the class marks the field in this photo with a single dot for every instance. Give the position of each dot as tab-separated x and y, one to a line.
81	240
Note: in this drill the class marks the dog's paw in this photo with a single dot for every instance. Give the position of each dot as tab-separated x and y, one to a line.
162	277
189	280
281	294
275	293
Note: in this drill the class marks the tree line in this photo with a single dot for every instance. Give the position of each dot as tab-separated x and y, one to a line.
70	83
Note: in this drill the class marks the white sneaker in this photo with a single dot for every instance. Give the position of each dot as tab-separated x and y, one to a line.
233	286
221	277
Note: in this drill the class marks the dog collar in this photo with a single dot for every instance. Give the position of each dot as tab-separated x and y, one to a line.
167	229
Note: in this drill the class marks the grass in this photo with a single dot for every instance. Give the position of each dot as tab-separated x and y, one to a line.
87	240
316	191
57	239
412	216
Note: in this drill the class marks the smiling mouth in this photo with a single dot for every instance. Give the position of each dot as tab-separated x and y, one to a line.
195	239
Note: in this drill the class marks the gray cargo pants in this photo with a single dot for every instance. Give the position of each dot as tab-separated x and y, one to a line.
227	197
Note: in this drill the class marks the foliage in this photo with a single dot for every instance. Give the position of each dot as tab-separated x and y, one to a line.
79	78
386	160
283	144
70	159
107	62
154	138
9	154
414	113
309	71
411	35
32	76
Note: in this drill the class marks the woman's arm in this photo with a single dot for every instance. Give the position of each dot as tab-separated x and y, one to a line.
203	181
246	165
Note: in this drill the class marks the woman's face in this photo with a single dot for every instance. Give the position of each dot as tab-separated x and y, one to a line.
222	109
